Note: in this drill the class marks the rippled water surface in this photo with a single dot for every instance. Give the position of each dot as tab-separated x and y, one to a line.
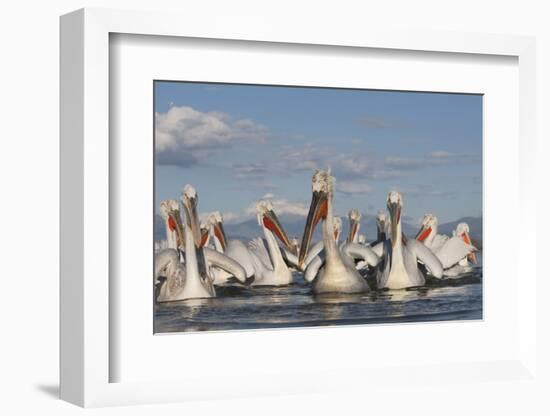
296	306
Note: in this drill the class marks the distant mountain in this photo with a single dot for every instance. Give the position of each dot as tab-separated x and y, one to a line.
294	227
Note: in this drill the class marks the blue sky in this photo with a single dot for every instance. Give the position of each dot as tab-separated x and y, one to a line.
239	143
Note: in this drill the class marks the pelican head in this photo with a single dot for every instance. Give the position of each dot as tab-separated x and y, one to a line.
168	206
170	211
463	231
268	219
215	224
354	221
337	225
190	201
322	185
429	222
395	204
382	224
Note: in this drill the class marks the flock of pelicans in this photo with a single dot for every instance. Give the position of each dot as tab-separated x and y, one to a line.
195	258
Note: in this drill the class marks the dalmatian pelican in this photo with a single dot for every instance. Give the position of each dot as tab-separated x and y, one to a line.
401	255
338	274
270	267
454	252
193	279
170	212
354	217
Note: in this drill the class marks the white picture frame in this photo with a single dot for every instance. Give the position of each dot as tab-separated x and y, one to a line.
86	355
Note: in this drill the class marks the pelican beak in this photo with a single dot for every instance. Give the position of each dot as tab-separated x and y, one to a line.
395	216
204	237
190	205
175	224
317	210
219	233
353	227
472	256
271	222
381	225
423	233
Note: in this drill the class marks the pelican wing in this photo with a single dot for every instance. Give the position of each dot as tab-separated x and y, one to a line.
312	269
378	249
291	259
361	252
426	256
239	252
454	250
314	251
221	261
163	259
438	242
257	248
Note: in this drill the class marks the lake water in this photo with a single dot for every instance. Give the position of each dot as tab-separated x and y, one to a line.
296	306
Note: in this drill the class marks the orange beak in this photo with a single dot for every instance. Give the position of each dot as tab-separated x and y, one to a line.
472	256
318	210
424	233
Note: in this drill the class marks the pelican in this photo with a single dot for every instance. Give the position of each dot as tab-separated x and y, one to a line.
449	250
400	269
234	249
354	217
169	275
315	258
193	279
338	275
359	254
381	227
170	211
270	266
352	245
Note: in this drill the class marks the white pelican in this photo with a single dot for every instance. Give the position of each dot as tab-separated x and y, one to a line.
354	217
338	275
270	266
169	275
449	250
234	249
365	256
193	280
170	211
381	226
400	269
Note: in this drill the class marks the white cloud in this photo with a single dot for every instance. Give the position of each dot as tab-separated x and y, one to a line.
441	154
248	171
311	157
231	217
184	136
282	207
305	158
424	191
353	187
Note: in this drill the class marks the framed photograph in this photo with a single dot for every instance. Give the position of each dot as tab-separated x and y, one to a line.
243	215
387	161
